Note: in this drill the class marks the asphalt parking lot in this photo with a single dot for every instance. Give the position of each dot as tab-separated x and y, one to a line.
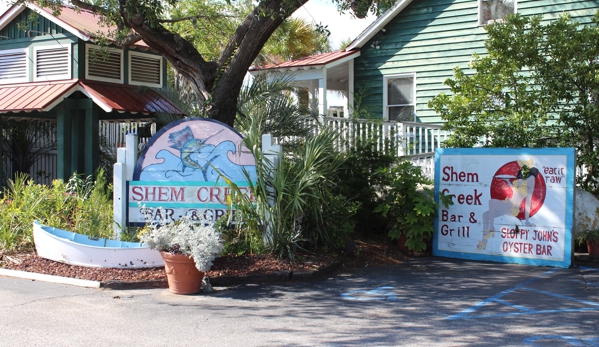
424	302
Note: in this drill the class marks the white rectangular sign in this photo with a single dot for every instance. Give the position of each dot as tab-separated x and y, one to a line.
510	205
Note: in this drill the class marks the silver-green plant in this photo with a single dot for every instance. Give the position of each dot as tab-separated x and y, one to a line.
195	238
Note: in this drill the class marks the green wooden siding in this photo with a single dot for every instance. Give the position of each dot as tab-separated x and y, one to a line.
430	38
39	26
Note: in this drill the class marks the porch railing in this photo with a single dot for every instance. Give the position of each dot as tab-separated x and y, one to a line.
413	141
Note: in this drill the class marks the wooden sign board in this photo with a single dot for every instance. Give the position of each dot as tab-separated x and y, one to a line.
510	205
183	171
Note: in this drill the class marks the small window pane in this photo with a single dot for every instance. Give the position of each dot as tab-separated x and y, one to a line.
401	113
492	10
400	91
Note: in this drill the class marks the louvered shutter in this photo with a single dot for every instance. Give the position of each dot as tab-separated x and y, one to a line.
13	66
52	63
104	65
145	69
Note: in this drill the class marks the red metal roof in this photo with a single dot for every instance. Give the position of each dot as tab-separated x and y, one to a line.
126	98
84	21
33	96
43	96
81	23
315	60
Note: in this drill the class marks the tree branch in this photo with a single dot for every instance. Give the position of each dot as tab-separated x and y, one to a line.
94	8
129	40
182	19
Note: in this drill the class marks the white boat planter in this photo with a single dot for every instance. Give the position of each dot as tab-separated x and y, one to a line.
77	249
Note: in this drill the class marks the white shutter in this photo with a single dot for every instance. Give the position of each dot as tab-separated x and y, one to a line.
52	63
145	69
13	66
104	64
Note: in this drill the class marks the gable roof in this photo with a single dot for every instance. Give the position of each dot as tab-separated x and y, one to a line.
330	59
378	24
82	23
323	60
44	96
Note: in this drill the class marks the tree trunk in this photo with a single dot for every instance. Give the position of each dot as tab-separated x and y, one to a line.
219	83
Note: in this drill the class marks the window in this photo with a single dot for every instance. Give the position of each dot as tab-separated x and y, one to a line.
104	64
145	69
400	97
490	11
52	63
13	66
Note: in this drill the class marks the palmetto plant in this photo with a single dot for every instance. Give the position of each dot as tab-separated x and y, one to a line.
287	192
269	108
26	141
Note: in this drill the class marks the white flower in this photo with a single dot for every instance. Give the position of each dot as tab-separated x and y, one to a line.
196	238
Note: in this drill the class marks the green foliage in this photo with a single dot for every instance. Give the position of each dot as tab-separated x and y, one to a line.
537	86
358	180
590	235
26	141
268	108
209	25
294	39
287	193
409	205
361	8
81	205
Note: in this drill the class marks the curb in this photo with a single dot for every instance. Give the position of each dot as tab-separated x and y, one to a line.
49	278
584	258
222	281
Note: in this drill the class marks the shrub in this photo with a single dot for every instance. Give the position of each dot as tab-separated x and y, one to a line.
409	205
289	196
81	205
357	179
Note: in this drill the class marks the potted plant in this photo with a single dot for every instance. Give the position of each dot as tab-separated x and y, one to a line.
188	248
591	238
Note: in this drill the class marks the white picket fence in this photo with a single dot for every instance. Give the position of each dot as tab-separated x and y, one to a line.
413	141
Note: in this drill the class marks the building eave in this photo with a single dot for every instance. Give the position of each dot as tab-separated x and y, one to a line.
377	25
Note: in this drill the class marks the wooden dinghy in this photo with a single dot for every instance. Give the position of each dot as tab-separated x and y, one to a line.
77	249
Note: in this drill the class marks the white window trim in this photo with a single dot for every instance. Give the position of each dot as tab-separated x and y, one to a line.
88	47
144	55
27	65
57	77
480	12
386	78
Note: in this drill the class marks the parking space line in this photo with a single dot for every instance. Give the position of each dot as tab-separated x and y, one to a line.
562	296
507	303
571	340
467	313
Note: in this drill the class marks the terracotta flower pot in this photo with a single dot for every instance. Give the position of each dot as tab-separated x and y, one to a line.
182	275
593	247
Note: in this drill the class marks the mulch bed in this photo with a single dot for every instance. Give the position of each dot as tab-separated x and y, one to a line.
365	253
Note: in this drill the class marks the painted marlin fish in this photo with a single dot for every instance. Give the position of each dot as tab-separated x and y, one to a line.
188	145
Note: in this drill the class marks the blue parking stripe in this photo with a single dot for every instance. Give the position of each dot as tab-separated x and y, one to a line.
563	297
466	314
507	303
